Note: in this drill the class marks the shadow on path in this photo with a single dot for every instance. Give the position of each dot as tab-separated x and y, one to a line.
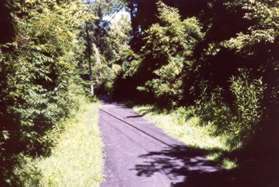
186	167
155	155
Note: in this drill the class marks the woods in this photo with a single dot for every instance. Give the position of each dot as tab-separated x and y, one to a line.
218	58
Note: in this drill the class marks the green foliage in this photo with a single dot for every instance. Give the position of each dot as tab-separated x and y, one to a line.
130	67
168	50
265	30
118	37
110	49
106	40
179	62
168	84
242	119
68	165
104	77
39	71
219	56
211	108
172	36
248	94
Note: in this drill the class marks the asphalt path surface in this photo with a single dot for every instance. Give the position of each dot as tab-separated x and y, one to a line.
137	154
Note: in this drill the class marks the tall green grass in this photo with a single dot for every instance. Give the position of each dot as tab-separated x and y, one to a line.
76	159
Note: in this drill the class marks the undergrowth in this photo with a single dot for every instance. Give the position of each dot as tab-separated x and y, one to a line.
75	160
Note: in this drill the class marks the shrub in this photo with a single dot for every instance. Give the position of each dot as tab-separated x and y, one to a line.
241	119
38	79
248	93
103	77
68	165
212	109
168	85
167	51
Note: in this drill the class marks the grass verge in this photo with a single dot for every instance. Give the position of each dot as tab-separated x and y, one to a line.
189	131
76	160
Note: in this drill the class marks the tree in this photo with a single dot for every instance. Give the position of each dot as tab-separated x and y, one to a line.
167	50
38	78
104	40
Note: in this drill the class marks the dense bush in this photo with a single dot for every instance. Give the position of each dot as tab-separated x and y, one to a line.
38	77
240	120
167	51
248	94
104	76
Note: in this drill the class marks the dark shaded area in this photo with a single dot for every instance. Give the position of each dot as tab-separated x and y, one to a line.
189	168
7	31
186	167
135	116
9	127
15	141
258	161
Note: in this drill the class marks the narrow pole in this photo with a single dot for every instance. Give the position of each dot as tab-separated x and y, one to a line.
89	54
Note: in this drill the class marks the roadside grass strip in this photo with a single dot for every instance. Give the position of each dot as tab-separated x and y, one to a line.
188	131
76	160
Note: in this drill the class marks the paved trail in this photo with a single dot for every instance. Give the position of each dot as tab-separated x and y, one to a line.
140	155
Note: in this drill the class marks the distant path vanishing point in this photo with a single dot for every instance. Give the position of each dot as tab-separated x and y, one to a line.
138	154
